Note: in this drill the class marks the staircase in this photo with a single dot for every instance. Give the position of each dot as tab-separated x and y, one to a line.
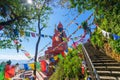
106	67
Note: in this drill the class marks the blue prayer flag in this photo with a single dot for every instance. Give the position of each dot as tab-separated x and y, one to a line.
26	67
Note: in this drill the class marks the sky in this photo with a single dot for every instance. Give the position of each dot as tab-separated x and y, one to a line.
62	15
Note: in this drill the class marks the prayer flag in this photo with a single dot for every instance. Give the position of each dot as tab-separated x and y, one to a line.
50	37
27	34
12	71
1	75
7	74
27	54
2	72
38	66
46	35
63	54
69	49
33	34
60	56
22	33
116	37
55	57
42	35
9	71
32	66
52	60
104	33
37	34
16	32
43	65
26	67
99	30
108	35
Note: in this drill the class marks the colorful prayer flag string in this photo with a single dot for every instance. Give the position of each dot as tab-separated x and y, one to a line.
107	34
27	54
44	47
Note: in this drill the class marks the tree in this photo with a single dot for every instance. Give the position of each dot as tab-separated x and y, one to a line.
16	16
106	14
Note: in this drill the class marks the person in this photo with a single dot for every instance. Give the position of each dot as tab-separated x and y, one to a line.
7	70
17	69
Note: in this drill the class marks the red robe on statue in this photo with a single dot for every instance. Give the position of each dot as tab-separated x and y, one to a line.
58	46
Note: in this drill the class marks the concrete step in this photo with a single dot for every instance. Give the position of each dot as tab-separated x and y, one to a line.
103	58
103	61
106	64
109	68
109	78
106	67
109	73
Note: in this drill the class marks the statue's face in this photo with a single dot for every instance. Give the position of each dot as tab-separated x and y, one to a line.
60	29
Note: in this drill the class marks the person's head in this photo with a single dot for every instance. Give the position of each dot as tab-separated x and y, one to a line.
17	64
9	62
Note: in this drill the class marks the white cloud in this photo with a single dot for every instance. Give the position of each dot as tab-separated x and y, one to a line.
13	57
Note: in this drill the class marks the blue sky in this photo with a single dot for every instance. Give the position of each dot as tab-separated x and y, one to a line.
59	15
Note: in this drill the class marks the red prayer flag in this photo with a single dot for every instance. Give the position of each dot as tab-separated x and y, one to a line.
12	71
63	54
33	34
9	71
27	55
43	65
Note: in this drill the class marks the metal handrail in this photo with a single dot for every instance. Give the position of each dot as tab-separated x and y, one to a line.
93	72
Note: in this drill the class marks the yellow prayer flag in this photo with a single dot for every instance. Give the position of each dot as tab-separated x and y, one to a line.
55	57
22	33
69	49
8	79
26	78
99	30
32	66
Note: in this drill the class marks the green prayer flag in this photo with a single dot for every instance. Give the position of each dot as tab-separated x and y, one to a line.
75	38
60	56
2	75
1	68
2	72
64	39
38	66
27	34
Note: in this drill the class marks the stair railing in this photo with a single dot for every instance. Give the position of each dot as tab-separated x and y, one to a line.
93	72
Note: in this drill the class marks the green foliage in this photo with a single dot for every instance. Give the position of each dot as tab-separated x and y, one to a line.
70	67
115	44
107	16
19	15
97	38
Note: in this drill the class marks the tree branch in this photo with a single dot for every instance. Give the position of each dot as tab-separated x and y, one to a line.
42	28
